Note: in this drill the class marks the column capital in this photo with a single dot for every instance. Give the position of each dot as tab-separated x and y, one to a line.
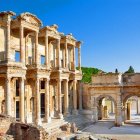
47	79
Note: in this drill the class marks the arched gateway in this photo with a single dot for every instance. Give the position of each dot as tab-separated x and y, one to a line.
109	94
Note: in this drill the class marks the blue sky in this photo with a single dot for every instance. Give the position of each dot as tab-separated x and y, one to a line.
110	29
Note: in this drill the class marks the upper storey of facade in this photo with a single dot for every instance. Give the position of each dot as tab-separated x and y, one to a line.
25	43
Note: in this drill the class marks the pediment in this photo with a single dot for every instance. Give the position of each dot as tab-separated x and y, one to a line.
30	18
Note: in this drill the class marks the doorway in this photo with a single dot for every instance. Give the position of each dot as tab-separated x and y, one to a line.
42	104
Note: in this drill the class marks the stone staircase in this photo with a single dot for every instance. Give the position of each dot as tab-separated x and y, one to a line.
54	126
80	120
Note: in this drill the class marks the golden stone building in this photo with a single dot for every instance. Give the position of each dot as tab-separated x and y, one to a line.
38	75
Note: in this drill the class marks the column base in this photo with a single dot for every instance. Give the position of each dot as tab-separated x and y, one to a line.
48	120
75	112
38	122
60	116
66	114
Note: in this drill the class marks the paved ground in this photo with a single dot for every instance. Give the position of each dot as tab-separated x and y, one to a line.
106	128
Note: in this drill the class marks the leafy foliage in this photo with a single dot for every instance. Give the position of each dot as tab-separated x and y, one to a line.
116	71
87	73
130	70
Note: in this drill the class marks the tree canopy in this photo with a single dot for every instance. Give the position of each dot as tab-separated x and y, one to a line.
130	70
87	73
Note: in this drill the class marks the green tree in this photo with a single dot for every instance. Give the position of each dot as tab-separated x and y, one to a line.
116	71
87	73
130	70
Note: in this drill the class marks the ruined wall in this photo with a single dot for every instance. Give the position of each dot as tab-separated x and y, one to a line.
110	78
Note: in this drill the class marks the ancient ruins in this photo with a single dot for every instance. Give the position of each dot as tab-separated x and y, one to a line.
38	75
40	83
116	87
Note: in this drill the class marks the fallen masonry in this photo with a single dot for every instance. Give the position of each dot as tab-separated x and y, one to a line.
10	129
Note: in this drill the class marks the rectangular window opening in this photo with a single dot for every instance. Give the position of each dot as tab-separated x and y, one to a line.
42	60
17	56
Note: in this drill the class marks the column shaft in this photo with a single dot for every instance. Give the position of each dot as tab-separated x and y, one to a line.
58	53
66	98
46	50
75	97
8	96
22	48
66	55
38	112
8	41
47	101
79	58
59	99
36	49
73	57
22	106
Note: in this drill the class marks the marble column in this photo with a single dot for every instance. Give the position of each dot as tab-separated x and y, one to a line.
73	57
22	102
36	49
58	54
8	95
22	46
79	57
138	105
37	95
46	50
128	111
66	55
47	101
118	111
112	107
75	112
59	99
66	98
7	50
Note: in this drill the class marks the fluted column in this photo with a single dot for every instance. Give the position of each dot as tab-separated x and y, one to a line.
79	57
22	48
46	49
8	95
75	97
66	55
22	102
59	99
58	53
37	95
36	49
47	101
8	41
66	98
73	57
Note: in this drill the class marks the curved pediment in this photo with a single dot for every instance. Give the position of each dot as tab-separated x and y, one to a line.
30	18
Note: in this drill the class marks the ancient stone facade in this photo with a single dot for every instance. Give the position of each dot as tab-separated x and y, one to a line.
114	86
38	75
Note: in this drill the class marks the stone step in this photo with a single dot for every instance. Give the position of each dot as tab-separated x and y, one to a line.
55	124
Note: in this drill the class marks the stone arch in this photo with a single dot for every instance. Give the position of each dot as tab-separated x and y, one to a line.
97	105
105	96
126	110
130	95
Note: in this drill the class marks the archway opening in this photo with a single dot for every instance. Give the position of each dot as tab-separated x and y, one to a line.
106	109
132	110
